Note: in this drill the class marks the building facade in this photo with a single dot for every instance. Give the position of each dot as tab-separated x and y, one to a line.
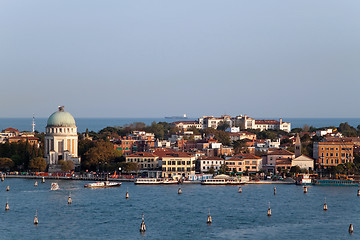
327	154
204	164
61	139
145	160
177	165
244	161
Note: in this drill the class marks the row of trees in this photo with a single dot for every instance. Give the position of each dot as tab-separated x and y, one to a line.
20	153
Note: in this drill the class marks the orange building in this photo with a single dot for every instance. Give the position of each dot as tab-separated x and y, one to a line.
31	139
333	153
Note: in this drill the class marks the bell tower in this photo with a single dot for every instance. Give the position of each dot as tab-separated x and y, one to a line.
297	146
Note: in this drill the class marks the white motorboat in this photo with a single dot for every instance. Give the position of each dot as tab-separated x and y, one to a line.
54	186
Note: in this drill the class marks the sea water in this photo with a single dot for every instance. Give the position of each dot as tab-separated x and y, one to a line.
107	214
96	124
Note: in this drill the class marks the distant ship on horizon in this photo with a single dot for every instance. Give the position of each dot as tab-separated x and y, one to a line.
177	117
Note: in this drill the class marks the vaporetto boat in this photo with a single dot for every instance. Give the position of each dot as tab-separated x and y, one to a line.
154	181
221	181
105	184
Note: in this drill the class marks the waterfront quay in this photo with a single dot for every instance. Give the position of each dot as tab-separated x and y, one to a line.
106	213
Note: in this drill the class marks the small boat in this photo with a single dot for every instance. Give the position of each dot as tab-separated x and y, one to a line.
105	184
303	179
54	186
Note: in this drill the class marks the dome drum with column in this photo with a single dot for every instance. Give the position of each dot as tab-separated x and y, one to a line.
61	139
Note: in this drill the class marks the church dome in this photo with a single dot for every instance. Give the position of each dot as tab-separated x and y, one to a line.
61	119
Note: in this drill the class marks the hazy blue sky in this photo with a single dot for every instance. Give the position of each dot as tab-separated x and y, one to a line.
150	58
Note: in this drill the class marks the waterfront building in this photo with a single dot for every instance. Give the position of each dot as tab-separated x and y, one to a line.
304	162
272	155
283	164
204	164
177	164
145	160
244	161
61	140
327	154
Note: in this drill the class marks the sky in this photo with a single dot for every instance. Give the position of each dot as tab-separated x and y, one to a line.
155	58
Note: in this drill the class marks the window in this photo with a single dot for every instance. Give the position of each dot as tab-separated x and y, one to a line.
189	162
247	162
164	162
188	169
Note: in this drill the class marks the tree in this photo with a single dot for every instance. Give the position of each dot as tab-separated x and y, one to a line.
6	164
240	146
37	164
66	165
347	130
223	126
223	137
295	169
101	154
212	170
223	169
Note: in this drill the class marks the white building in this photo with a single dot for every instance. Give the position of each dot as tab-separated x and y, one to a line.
303	162
204	164
245	122
61	140
321	133
265	145
233	129
214	122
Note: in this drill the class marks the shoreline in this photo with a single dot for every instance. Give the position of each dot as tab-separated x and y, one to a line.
126	180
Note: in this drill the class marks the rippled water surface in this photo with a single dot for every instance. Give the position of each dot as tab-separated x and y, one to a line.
106	214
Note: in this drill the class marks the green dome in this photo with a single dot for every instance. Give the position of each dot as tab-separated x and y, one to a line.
61	119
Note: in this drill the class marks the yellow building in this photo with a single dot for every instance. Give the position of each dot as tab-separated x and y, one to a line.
333	153
145	160
244	161
178	164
